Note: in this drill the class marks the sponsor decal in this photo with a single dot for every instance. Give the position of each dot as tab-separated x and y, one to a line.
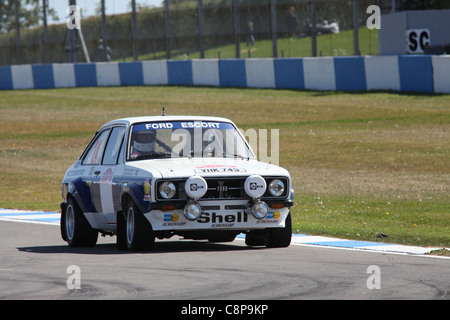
75	173
130	172
272	217
107	175
147	190
221	221
173	217
92	170
171	220
212	125
164	125
255	186
195	187
275	215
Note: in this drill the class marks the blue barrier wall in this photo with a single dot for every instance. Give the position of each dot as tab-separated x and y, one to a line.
5	78
350	73
398	73
85	75
232	73
416	73
289	73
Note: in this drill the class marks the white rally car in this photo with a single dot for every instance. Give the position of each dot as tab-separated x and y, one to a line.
155	177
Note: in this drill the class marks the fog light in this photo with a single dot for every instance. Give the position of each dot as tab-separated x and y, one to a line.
192	211
260	210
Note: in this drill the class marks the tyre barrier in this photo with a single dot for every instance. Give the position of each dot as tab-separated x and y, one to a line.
405	73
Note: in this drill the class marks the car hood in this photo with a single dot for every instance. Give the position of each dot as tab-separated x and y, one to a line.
182	168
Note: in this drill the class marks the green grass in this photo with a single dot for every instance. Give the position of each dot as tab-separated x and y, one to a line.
419	222
340	44
361	163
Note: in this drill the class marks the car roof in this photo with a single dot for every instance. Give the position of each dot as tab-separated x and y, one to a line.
133	120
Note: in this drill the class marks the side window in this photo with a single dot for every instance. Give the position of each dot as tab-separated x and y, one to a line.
113	147
95	152
122	151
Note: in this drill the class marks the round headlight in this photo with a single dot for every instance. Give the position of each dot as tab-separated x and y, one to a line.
167	190
260	210
192	211
276	187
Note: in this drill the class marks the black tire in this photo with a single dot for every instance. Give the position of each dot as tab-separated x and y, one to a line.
62	222
139	235
75	229
281	237
121	239
257	238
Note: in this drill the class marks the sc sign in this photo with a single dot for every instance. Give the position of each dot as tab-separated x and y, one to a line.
417	40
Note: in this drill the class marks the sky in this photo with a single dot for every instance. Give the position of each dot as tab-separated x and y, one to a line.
88	7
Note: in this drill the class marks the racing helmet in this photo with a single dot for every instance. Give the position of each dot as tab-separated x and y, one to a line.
144	141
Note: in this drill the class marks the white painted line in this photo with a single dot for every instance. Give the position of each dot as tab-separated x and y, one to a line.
39	217
343	244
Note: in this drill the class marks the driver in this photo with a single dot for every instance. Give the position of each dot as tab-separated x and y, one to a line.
143	143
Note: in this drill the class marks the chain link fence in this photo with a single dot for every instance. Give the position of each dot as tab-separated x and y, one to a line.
197	29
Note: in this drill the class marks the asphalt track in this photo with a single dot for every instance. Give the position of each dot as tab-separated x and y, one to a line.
35	264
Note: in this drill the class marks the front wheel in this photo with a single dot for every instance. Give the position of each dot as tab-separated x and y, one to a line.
139	235
271	237
281	237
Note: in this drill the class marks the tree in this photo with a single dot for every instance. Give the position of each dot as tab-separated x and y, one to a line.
30	13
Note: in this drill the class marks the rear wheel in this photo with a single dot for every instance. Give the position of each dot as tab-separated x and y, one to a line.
75	229
139	235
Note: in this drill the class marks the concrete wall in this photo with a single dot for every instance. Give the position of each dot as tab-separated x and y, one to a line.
420	73
392	35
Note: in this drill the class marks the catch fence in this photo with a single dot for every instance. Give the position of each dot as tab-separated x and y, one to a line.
197	29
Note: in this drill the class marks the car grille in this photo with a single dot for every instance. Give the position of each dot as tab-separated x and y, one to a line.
225	189
218	188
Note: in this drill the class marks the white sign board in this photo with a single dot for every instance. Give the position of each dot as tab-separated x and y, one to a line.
417	40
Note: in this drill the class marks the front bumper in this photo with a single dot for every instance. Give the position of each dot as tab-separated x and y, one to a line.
218	215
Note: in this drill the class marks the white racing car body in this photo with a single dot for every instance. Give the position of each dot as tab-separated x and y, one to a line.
197	177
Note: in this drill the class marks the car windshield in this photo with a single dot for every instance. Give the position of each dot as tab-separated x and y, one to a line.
175	139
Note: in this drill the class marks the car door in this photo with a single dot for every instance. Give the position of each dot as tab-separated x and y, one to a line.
106	202
91	161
